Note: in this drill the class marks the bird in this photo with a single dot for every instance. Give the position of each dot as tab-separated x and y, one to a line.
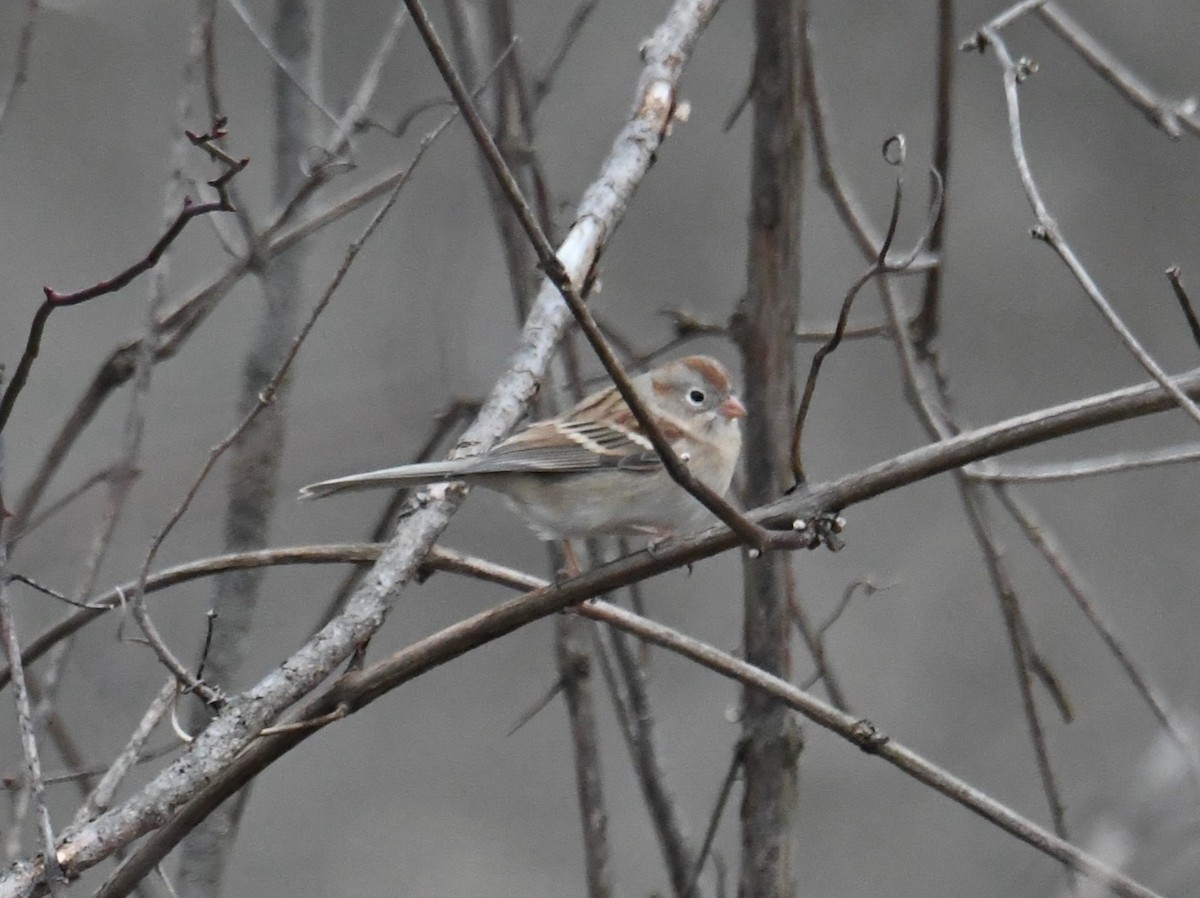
593	471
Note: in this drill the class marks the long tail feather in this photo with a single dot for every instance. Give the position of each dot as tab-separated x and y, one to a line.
404	475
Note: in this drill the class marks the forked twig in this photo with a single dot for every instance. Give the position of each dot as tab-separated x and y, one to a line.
1047	230
54	299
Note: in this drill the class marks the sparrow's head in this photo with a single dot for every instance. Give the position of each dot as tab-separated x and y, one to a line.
697	388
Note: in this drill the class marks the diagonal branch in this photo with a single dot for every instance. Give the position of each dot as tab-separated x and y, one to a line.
358	688
1172	117
1047	228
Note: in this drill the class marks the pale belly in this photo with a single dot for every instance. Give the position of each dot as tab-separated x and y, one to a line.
612	502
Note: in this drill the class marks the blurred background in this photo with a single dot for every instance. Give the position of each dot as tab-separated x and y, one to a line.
425	792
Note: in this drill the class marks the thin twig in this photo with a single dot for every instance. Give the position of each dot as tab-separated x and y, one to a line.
180	323
359	105
104	475
1175	276
814	639
14	577
264	400
1046	543
537	707
880	267
1047	229
1169	116
345	553
302	84
544	81
616	694
55	300
102	795
832	181
665	815
1085	467
714	819
25	723
1001	20
1025	656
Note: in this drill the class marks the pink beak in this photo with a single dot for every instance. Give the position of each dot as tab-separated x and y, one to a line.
732	408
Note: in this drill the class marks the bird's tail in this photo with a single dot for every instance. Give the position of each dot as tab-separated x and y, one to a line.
404	475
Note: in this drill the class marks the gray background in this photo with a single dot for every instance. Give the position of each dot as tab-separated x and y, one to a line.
424	794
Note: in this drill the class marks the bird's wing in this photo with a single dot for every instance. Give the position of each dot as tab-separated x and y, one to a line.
565	445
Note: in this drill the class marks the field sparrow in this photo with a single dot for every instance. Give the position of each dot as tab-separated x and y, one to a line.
592	471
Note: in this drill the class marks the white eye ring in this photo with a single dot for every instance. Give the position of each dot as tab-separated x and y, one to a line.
696	397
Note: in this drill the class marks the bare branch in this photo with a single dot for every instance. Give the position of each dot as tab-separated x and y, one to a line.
180	323
714	820
1169	116
53	875
1025	657
814	640
927	322
298	79
664	810
1047	544
358	688
1048	231
1175	276
1002	20
54	299
349	553
762	327
1085	467
543	83
102	795
575	673
880	267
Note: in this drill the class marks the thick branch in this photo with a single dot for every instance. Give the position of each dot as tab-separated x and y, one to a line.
763	326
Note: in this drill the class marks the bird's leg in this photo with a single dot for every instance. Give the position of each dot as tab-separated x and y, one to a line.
571	568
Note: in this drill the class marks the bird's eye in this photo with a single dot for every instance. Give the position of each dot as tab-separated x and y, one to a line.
696	397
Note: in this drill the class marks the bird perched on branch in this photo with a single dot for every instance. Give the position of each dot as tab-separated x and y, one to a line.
593	471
